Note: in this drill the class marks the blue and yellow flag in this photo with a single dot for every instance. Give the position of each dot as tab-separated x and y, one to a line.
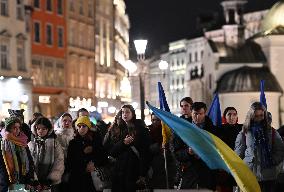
214	152
166	131
214	112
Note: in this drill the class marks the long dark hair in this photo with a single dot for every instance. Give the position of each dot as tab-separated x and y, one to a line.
250	116
119	128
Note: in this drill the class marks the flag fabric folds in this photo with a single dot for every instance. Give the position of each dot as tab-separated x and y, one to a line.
166	132
262	97
214	152
214	112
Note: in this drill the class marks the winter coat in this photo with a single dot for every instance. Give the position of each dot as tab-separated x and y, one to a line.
128	166
229	133
194	172
4	179
244	147
64	136
48	158
77	160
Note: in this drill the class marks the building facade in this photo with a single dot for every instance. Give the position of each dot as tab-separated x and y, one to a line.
227	60
48	46
111	40
80	56
15	58
121	50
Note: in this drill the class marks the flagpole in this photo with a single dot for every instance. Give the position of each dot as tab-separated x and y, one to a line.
166	167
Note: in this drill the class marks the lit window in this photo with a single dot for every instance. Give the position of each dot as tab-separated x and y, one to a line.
60	74
49	75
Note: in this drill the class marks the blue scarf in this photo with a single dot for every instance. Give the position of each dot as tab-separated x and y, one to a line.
261	144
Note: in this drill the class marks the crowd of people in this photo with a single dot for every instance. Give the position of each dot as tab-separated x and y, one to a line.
41	156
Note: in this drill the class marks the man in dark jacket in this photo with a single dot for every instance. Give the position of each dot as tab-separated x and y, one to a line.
195	173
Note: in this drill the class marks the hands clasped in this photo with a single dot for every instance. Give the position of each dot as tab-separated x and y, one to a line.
128	139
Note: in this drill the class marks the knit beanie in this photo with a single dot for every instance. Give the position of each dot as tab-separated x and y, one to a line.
84	120
11	120
17	113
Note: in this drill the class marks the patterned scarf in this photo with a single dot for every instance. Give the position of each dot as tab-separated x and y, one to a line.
261	144
15	155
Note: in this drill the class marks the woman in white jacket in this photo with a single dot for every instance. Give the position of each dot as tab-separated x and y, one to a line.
47	155
64	131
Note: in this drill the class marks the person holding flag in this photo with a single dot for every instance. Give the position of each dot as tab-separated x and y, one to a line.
211	150
195	174
167	141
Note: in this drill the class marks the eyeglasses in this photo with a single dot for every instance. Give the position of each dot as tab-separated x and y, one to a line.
82	126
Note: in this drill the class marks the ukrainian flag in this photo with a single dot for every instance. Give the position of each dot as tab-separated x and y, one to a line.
166	132
214	152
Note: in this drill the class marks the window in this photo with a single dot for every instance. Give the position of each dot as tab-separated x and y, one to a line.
21	56
20	10
4	7
90	8
49	75
48	34
60	73
71	5
37	32
59	7
60	36
81	10
37	3
49	5
4	54
36	72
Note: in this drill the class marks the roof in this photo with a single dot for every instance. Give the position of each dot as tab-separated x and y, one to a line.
274	18
250	52
247	79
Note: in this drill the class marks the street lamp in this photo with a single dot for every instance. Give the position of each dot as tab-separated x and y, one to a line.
140	46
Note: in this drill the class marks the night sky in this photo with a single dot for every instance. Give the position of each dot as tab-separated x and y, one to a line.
164	21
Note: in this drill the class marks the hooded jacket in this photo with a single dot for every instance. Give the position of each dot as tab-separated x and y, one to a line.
48	158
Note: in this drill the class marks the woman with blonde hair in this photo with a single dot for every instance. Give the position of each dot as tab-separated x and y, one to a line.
260	146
